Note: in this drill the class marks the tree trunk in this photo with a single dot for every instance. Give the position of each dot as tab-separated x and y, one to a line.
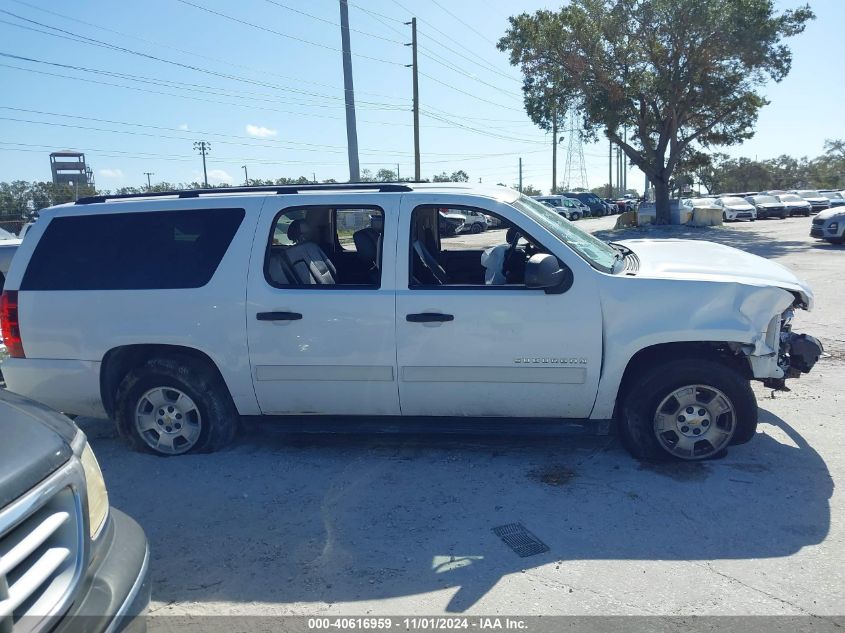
661	201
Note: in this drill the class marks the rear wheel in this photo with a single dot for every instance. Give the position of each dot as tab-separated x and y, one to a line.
172	406
574	216
687	409
476	228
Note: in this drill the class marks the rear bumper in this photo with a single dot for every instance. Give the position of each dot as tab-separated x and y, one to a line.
116	590
70	386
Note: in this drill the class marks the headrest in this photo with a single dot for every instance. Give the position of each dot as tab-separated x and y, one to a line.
299	231
377	222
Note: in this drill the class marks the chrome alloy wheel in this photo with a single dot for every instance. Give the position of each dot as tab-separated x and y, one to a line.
695	422
168	420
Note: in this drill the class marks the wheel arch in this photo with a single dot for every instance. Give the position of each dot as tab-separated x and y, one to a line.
663	352
119	361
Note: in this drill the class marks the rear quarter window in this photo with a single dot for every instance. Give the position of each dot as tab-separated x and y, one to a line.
132	251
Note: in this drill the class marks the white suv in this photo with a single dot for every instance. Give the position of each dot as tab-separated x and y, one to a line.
178	313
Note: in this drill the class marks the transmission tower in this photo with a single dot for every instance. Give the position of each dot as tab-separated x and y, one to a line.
574	168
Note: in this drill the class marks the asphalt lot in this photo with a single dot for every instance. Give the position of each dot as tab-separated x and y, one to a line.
391	525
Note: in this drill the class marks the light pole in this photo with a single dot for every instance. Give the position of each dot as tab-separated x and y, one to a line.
203	147
148	174
246	175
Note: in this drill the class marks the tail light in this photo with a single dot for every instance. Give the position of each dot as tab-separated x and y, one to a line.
9	324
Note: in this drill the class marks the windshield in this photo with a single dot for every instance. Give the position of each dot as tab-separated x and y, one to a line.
764	199
733	200
791	197
832	195
809	193
597	253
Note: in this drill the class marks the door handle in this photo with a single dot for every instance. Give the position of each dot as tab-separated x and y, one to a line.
278	316
429	317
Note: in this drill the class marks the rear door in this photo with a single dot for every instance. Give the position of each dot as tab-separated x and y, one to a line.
324	348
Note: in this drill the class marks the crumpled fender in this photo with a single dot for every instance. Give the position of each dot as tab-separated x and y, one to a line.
640	313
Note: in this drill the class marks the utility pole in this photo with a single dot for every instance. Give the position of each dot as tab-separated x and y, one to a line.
520	174
416	105
246	176
610	169
624	162
397	172
554	152
148	174
314	177
349	95
203	147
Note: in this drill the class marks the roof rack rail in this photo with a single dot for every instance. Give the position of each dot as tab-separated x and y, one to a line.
276	189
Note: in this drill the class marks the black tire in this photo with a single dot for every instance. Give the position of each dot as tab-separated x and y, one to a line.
575	216
217	414
476	228
642	397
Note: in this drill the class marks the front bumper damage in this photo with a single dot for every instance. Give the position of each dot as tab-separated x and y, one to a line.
790	353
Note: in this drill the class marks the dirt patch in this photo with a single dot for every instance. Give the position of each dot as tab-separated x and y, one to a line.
679	471
557	476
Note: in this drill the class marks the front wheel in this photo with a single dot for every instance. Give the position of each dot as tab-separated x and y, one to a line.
687	409
172	406
575	216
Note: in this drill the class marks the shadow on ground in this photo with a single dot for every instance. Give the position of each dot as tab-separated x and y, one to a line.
283	519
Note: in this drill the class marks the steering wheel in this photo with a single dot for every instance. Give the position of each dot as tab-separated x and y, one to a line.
431	264
512	238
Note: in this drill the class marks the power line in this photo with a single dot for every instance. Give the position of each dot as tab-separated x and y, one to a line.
336	24
279	33
466	24
190	52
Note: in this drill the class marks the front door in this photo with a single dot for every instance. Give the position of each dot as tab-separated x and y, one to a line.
469	348
321	309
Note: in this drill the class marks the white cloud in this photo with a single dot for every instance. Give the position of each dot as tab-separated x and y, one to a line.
219	175
111	173
259	131
184	127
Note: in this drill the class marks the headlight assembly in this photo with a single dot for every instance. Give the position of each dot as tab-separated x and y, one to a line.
98	497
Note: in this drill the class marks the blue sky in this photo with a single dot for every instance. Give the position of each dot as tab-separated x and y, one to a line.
268	94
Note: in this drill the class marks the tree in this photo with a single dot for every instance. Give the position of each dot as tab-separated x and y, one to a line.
386	175
455	176
529	190
674	73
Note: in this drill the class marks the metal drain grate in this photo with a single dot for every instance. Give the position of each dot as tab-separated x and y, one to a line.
520	540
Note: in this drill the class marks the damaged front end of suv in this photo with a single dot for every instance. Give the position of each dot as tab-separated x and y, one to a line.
780	353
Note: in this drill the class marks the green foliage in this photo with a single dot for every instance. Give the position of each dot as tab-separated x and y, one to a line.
675	73
529	190
455	176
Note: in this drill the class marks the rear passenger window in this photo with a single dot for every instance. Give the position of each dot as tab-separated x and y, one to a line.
132	251
325	247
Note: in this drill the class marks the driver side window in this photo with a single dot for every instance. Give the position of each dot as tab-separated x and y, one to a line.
463	247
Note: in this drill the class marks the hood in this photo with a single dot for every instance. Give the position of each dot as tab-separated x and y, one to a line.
740	206
817	199
708	261
796	203
36	442
827	214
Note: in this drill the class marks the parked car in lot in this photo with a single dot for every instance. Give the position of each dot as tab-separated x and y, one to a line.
8	247
829	225
452	224
67	561
795	205
591	200
114	307
817	200
570	208
474	221
836	198
734	208
768	206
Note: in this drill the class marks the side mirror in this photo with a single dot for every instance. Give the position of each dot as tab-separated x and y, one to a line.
546	272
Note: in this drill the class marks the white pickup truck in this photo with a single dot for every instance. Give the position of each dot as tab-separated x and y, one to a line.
177	314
